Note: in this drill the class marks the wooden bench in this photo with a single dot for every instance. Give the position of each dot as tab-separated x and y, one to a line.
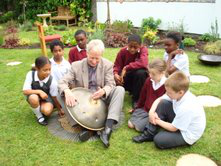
64	13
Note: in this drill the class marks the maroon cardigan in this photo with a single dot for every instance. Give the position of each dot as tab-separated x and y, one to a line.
75	55
132	62
148	95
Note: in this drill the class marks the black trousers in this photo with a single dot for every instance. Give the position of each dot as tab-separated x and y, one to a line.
133	82
165	139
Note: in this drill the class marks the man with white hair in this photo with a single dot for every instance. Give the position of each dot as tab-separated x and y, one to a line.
96	74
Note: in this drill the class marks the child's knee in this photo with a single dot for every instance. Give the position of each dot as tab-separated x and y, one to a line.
130	125
47	110
159	142
33	100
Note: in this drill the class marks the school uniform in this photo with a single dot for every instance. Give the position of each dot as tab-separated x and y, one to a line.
136	66
150	92
187	115
59	70
48	85
76	54
180	61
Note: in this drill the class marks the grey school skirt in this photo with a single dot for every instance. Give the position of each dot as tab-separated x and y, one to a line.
139	119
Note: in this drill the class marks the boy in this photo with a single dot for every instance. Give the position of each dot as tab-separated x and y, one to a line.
59	66
178	112
175	58
78	52
130	66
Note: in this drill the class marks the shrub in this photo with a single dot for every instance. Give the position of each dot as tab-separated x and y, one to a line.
101	26
68	38
24	42
60	27
98	34
150	23
11	39
177	27
6	17
189	42
114	39
151	36
213	48
49	30
1	39
27	26
122	26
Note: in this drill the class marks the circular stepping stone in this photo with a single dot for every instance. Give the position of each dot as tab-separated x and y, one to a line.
209	101
13	63
199	79
61	128
195	160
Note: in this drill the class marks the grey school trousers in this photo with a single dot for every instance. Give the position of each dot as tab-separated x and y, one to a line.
165	139
114	101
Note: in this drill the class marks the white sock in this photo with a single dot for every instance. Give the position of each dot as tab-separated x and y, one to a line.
38	113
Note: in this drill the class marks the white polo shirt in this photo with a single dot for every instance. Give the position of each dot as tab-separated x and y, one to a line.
180	61
159	84
190	117
53	87
59	70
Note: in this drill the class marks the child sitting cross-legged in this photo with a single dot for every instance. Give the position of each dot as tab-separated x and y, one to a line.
153	88
178	112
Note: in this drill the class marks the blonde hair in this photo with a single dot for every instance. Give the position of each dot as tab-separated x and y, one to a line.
95	44
158	64
178	81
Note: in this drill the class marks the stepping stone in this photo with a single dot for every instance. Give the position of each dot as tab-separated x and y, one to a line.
195	160
13	63
209	101
199	79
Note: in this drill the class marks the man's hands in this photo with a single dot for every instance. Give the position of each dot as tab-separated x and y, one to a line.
69	98
98	94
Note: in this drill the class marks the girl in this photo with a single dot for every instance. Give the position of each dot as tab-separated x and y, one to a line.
175	58
152	89
41	90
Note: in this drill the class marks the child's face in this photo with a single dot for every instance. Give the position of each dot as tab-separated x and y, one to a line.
44	72
81	41
170	45
156	75
174	95
58	52
133	47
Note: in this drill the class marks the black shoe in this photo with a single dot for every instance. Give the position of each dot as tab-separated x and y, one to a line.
84	135
142	138
44	122
105	136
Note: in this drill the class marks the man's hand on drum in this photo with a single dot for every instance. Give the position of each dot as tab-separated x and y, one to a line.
98	94
69	98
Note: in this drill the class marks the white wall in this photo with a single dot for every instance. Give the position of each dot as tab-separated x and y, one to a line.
197	17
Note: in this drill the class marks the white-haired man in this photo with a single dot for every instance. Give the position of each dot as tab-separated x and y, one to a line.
96	74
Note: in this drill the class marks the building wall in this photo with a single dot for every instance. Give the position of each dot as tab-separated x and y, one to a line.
196	15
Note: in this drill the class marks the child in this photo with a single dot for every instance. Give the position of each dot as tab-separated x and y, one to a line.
152	89
41	90
59	66
175	58
78	52
178	112
130	66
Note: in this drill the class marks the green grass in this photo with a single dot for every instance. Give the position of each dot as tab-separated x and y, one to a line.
24	142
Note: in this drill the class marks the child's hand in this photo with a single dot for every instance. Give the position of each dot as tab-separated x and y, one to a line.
118	79
43	95
178	51
153	117
131	111
123	73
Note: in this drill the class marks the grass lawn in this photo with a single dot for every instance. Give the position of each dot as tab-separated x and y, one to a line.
24	142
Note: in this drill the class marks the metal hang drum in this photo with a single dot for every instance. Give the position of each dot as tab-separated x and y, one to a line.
88	113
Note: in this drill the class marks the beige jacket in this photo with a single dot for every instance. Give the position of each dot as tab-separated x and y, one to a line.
78	76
